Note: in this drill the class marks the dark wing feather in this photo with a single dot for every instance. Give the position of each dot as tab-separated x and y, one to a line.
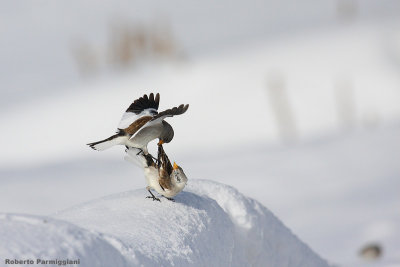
149	160
163	160
143	103
165	180
172	112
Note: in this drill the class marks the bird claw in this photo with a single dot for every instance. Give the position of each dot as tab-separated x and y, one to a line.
170	199
154	198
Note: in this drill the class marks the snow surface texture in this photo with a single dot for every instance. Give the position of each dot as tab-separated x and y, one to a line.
33	237
210	223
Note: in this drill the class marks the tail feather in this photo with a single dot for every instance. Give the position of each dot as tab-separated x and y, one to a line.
117	139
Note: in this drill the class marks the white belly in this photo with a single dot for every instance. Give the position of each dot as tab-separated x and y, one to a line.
151	175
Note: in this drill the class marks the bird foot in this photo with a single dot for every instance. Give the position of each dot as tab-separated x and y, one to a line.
137	154
170	199
146	155
154	198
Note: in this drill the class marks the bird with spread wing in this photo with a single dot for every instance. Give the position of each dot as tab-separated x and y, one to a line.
142	123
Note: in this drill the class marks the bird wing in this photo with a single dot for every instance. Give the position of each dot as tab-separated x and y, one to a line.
170	113
165	180
158	118
165	168
143	106
137	125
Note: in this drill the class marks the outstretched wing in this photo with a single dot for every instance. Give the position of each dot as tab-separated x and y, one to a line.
137	125
143	103
143	106
170	112
158	118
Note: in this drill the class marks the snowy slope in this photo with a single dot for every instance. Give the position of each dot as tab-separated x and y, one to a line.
210	223
345	184
28	237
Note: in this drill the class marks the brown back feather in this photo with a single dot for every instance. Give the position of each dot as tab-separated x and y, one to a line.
137	124
165	180
164	168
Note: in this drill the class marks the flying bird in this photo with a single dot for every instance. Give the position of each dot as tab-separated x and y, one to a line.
163	177
142	123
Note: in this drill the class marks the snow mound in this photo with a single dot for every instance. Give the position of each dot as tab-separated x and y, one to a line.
210	223
27	237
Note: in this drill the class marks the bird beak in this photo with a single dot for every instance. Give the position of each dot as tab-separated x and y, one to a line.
175	166
160	142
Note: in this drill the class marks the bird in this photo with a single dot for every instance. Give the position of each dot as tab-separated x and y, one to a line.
140	124
166	179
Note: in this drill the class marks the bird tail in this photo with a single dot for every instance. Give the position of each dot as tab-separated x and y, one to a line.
117	139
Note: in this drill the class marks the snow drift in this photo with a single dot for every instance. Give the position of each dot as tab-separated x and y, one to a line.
210	223
33	238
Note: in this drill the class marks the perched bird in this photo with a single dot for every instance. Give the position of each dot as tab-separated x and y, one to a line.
140	124
163	177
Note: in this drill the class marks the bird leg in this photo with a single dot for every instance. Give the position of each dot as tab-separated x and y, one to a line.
152	196
137	154
140	151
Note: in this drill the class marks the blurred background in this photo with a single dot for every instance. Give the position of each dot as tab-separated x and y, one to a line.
296	104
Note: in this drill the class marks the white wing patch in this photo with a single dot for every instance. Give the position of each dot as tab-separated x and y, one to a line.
127	120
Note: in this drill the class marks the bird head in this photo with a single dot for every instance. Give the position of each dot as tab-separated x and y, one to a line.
178	176
167	133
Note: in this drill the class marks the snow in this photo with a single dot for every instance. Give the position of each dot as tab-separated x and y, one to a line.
210	223
334	186
337	193
28	237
